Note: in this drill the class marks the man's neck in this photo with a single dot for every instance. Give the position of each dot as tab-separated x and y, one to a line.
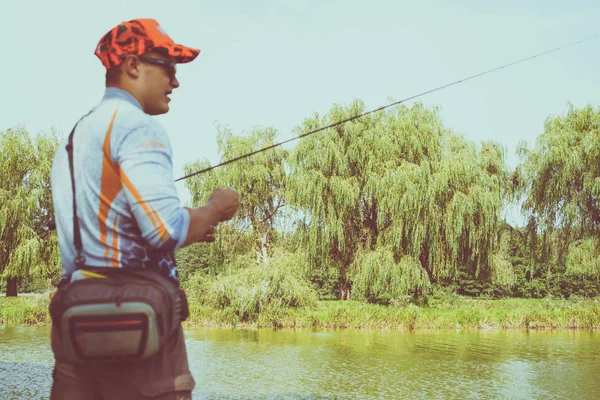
122	92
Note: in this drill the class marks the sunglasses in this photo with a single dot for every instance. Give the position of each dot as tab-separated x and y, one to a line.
169	66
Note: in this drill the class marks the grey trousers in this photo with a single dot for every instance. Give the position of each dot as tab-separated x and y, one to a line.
165	376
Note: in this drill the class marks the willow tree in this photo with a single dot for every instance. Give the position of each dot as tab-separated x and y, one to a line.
470	187
397	183
27	247
560	183
258	179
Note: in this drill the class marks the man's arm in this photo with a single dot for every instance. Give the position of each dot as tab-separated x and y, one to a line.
222	206
144	158
203	221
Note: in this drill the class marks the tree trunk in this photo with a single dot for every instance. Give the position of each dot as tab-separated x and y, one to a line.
263	249
344	288
11	287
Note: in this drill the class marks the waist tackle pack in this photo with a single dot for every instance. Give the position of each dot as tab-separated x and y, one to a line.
122	317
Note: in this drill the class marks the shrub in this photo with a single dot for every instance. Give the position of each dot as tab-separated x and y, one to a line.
250	290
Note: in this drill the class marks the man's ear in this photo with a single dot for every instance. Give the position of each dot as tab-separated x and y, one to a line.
131	66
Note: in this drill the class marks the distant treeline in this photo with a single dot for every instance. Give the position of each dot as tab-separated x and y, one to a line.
388	207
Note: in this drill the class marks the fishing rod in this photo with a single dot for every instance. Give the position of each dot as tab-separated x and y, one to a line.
390	105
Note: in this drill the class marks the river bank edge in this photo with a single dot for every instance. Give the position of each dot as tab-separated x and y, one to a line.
455	313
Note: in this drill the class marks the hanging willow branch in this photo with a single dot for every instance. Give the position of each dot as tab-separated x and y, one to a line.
400	180
26	245
560	182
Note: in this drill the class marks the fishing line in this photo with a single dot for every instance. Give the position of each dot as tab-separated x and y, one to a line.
390	105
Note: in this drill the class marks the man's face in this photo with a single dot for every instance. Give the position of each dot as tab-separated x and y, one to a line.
158	81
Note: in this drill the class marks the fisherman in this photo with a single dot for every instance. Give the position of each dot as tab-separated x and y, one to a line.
127	205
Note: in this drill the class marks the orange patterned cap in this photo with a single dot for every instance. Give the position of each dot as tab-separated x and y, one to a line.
137	37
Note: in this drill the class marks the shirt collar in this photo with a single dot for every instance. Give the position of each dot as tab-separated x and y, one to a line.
116	93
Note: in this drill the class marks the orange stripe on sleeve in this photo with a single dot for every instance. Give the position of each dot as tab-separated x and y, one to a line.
149	210
110	186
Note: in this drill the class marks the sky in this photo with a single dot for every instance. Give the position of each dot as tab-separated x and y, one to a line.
275	63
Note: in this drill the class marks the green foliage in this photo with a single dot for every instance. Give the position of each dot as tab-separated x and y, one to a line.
192	259
24	310
583	258
387	208
501	262
27	247
451	312
396	180
399	180
325	281
258	179
378	278
560	182
249	291
231	250
447	311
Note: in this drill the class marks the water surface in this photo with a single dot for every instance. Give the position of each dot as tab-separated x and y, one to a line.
350	364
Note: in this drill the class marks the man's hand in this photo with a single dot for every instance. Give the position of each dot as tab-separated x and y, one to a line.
221	206
227	201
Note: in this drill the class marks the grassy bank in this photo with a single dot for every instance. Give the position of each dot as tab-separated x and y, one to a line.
25	310
462	314
456	313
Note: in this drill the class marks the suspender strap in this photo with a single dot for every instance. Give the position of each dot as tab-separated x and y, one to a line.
80	258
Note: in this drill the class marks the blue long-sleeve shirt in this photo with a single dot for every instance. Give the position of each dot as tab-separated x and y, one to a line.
129	211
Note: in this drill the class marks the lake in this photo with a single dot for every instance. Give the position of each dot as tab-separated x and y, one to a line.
351	364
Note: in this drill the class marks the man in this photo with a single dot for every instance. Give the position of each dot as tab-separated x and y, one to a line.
129	212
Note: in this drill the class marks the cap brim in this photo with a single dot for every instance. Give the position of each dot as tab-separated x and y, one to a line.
181	54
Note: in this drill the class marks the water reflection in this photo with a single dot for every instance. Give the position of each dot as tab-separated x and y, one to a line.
355	364
248	364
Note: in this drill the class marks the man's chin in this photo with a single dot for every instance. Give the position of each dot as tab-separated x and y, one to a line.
159	110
